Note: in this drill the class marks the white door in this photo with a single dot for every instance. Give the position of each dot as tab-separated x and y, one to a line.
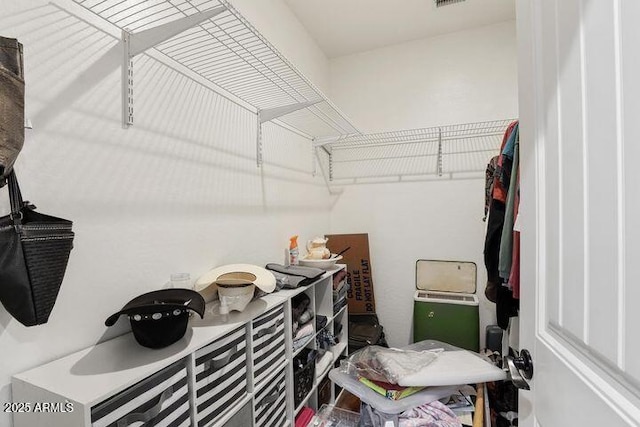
579	91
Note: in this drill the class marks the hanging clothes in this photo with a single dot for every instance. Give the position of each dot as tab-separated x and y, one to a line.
506	306
514	277
492	249
495	220
498	248
506	239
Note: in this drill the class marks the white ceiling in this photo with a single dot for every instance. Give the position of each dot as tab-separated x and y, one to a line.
343	27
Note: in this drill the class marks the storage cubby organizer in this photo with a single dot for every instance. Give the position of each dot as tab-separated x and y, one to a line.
310	378
236	371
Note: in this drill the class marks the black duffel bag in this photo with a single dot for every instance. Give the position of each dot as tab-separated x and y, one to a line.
364	330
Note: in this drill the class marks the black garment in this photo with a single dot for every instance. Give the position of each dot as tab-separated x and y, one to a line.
492	241
506	305
489	176
504	173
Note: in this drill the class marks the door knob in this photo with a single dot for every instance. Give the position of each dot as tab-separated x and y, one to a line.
520	369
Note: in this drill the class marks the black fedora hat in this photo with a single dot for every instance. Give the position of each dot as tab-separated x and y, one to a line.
160	318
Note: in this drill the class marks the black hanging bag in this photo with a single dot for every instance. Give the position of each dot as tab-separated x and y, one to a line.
34	251
11	104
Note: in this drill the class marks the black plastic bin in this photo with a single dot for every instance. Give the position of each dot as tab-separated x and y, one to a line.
304	372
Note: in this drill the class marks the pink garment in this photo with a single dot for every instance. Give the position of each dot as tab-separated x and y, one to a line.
499	192
304	331
433	414
304	417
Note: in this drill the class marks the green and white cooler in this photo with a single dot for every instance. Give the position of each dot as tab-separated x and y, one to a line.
445	305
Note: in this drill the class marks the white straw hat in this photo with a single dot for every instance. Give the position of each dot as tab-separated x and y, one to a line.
247	274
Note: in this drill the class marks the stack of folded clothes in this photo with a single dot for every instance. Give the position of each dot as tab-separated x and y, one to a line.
302	320
340	288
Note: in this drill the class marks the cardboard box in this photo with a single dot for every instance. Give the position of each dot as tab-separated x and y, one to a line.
360	297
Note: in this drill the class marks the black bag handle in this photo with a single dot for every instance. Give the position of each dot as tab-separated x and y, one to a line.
15	198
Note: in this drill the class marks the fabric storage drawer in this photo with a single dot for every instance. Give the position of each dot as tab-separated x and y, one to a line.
221	375
242	418
271	403
268	343
161	400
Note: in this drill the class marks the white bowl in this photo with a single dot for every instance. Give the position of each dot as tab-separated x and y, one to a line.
324	264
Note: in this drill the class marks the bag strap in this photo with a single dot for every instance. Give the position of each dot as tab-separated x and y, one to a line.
15	197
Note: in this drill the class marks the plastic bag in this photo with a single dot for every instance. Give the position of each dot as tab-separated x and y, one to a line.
389	364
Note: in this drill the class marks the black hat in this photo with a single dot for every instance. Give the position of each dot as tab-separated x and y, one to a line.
160	318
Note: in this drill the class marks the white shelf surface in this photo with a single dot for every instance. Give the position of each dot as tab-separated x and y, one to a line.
210	41
306	343
412	153
229	52
289	293
305	400
340	312
338	349
92	374
330	319
327	359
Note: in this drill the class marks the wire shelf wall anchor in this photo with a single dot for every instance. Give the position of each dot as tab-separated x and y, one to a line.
135	43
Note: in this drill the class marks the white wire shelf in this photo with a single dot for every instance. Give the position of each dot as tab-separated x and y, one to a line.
212	39
412	154
215	42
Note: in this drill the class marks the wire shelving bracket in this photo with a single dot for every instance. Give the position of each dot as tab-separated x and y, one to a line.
138	42
212	40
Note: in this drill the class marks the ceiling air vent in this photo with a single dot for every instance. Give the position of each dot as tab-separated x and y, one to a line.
440	3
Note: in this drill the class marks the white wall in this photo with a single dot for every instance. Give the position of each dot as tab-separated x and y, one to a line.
459	77
178	192
456	78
